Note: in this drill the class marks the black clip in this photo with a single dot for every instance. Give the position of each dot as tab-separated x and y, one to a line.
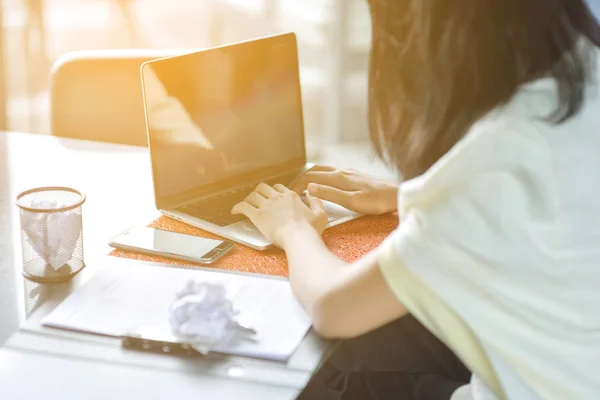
157	344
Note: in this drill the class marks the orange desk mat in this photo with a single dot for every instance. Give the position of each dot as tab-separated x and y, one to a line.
349	241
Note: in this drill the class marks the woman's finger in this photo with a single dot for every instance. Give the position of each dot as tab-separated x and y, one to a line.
323	168
342	197
280	188
265	190
336	179
315	204
255	199
244	208
316	168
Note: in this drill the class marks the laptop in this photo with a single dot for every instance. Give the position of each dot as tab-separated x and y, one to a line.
221	121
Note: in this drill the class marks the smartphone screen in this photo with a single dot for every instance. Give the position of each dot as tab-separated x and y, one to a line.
171	244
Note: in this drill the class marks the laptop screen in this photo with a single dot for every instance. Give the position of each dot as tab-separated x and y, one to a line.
224	114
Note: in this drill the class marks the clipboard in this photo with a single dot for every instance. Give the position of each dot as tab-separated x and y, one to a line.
120	299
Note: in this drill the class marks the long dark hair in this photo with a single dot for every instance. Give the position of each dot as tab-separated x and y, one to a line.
437	66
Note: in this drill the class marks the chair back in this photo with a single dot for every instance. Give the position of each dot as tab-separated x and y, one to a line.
97	95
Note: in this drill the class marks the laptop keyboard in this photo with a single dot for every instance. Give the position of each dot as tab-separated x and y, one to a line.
217	209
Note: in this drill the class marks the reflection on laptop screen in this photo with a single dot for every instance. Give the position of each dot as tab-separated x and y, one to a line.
222	113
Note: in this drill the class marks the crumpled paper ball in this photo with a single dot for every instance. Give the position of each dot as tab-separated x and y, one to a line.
202	314
53	236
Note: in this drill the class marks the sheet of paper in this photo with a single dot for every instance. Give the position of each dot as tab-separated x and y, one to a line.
124	296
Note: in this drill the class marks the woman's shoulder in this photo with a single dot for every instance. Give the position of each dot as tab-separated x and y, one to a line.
502	142
521	135
509	144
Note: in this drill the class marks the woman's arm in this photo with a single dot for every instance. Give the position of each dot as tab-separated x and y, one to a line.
343	300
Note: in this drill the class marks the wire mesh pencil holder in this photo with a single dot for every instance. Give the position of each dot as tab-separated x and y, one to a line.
51	233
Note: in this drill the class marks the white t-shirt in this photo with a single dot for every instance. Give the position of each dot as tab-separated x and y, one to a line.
505	232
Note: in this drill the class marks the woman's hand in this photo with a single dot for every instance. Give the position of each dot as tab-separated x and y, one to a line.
277	211
356	191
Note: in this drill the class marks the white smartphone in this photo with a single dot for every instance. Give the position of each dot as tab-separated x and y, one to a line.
172	245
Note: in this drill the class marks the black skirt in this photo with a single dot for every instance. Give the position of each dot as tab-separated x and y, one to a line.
401	360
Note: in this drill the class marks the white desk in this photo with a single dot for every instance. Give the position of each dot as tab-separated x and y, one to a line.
99	367
116	180
51	364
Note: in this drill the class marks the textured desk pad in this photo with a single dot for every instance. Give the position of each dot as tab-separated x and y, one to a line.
348	241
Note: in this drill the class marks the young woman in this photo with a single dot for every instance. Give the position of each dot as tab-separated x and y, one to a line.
490	110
